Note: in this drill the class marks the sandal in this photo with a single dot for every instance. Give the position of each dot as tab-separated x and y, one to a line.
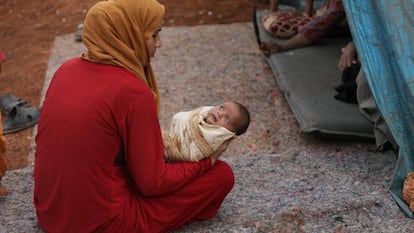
20	118
9	101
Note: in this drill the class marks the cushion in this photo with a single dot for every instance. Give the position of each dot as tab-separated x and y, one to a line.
284	24
308	77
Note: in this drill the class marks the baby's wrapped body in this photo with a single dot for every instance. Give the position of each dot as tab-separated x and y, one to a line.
191	138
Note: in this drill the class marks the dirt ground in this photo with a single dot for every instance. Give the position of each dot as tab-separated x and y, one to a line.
28	29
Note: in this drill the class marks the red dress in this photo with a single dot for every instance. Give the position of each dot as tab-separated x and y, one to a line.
99	163
321	26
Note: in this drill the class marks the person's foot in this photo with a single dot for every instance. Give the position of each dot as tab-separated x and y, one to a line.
3	191
269	47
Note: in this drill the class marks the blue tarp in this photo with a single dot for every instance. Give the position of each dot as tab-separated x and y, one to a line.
383	33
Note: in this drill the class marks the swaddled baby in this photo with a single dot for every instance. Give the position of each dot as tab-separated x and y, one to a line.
196	134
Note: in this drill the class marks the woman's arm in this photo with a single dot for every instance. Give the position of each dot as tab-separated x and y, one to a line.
144	152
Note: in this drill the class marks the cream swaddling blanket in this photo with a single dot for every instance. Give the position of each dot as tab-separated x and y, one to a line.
191	138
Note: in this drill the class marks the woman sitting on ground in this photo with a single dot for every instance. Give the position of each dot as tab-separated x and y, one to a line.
99	162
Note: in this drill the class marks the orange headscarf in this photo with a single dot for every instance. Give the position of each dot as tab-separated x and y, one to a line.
115	32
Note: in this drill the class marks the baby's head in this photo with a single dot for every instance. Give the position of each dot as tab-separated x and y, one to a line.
230	115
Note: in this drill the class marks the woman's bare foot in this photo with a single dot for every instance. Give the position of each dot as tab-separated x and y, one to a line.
269	47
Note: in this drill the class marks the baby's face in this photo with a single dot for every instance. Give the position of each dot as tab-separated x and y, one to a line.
225	115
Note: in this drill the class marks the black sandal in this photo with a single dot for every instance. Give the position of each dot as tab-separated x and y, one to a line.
9	101
21	117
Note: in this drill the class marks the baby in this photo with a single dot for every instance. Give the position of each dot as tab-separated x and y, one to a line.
196	134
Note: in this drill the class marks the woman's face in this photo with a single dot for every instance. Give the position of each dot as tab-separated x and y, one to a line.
153	43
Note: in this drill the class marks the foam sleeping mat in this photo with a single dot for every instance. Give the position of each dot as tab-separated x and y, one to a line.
307	77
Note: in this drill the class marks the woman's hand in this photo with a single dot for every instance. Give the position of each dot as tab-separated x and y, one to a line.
348	56
216	154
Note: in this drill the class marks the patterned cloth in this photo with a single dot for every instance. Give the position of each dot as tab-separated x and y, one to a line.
320	26
191	138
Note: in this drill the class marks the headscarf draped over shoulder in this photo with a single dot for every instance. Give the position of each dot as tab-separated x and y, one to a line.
115	32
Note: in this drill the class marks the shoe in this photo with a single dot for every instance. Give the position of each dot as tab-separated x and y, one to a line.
21	117
9	101
3	191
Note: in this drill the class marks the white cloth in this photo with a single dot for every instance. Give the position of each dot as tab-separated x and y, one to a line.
191	138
